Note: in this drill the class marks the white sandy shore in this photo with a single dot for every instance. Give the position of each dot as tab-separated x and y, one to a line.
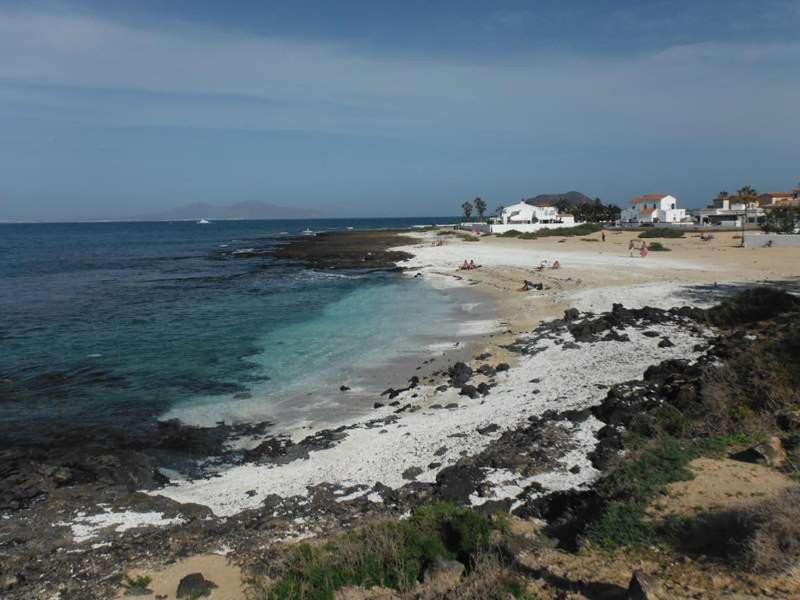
593	277
569	379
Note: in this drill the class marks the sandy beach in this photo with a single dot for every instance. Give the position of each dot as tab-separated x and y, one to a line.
593	276
530	383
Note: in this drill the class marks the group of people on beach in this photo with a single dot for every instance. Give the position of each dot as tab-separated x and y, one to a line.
546	264
468	266
643	250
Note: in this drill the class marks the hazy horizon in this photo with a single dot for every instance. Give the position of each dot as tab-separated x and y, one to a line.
113	110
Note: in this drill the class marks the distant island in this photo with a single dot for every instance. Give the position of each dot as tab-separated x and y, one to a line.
252	209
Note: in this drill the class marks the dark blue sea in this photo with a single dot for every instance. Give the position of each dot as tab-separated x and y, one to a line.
120	322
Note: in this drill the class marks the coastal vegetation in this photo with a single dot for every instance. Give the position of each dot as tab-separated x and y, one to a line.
589	211
661	232
751	399
438	540
480	207
781	219
578	230
658	247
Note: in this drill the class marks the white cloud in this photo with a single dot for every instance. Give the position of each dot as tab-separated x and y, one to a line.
199	77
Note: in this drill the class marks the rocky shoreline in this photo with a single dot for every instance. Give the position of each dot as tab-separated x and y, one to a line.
62	491
45	491
348	250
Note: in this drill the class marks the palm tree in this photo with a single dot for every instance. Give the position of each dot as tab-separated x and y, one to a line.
480	206
747	195
563	205
467	208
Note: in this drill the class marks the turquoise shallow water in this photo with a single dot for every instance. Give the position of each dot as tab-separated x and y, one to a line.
116	322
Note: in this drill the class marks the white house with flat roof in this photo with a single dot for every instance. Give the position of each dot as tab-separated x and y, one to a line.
731	211
527	218
653	208
524	213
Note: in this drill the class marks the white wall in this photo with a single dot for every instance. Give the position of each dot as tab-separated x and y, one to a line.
756	240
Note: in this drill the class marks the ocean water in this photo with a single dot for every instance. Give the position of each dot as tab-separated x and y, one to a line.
120	322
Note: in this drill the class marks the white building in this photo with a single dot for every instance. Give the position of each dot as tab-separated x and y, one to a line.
730	211
653	208
524	213
527	218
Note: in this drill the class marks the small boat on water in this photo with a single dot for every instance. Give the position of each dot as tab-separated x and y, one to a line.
203	222
308	232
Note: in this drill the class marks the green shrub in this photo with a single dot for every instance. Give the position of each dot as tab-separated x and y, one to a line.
578	230
662	232
388	554
657	247
630	488
137	583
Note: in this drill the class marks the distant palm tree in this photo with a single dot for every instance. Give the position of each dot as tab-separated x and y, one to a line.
480	206
746	195
467	208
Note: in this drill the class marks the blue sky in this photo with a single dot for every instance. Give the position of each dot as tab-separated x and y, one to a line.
115	108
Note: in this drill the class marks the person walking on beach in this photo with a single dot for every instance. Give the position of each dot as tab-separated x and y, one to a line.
603	235
630	248
643	250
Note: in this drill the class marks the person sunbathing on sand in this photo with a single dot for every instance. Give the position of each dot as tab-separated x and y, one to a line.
464	267
472	265
556	265
527	286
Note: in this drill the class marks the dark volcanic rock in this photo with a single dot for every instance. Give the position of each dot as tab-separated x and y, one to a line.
486	370
194	586
470	391
567	514
459	374
502	367
348	250
487	429
412	473
457	483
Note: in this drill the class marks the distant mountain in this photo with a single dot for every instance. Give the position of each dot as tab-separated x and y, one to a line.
251	209
573	198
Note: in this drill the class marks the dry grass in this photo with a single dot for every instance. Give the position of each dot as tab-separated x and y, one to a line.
762	538
489	579
773	543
